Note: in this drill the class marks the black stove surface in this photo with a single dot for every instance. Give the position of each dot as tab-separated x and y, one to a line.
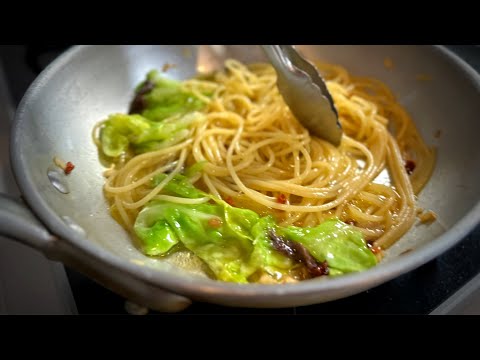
417	292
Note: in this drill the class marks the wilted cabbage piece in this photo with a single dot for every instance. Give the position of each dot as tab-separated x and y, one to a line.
160	116
158	98
121	132
333	241
235	242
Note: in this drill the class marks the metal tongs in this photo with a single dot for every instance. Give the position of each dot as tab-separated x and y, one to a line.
305	92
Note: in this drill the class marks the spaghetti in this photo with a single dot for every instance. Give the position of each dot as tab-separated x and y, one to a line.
258	156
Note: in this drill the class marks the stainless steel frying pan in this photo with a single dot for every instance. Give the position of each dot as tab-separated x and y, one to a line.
81	87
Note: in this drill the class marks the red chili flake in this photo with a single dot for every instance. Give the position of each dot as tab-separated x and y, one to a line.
229	201
281	199
68	168
374	249
410	166
215	223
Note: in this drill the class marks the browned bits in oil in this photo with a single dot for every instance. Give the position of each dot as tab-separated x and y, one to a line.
427	217
410	166
388	63
350	222
168	66
437	134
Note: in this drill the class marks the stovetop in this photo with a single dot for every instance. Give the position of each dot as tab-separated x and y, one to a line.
443	285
